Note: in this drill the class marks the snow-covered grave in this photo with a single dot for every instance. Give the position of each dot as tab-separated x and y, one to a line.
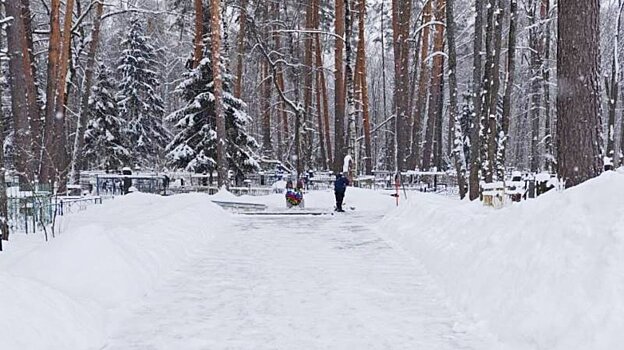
179	272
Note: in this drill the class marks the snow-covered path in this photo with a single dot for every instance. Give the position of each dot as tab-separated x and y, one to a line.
326	282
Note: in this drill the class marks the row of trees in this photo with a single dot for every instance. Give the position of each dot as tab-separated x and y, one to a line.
511	117
394	85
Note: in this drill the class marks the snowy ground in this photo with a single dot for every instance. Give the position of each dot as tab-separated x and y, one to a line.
542	274
305	283
150	272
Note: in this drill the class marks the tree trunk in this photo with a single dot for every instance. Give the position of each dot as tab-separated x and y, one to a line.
199	32
324	97
435	99
84	103
548	139
493	94
308	82
612	88
54	56
4	219
401	15
509	85
282	114
350	90
267	147
32	86
339	102
322	108
486	92
362	78
535	45
476	83
578	98
321	160
457	149
215	32
421	98
59	149
20	78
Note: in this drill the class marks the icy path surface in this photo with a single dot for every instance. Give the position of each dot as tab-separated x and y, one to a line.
295	283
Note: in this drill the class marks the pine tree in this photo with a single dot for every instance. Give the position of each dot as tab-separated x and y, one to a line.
194	146
139	104
104	144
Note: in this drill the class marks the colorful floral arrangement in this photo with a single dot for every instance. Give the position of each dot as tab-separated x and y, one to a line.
294	197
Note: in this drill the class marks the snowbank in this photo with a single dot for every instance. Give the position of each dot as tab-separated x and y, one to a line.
543	274
60	294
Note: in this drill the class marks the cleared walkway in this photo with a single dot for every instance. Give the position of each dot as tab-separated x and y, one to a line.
318	282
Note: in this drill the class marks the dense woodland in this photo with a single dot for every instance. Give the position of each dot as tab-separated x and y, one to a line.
477	87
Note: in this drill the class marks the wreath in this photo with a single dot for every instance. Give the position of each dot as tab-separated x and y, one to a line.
294	197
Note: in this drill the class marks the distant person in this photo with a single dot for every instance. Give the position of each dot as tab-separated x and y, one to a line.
340	187
166	181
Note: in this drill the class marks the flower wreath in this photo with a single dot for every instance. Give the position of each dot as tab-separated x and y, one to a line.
294	197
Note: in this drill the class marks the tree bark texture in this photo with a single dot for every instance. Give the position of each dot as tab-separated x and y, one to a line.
339	101
215	32
578	98
476	94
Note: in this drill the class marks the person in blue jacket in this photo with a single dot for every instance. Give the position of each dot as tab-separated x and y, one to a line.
340	187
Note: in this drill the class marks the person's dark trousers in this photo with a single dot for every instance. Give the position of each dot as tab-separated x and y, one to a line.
339	198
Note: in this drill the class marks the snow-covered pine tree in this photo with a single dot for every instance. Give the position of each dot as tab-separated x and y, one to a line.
104	144
139	103
194	146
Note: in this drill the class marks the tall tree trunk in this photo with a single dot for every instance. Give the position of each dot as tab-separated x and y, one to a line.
59	148
84	103
339	101
486	92
535	45
578	98
548	139
322	107
362	78
401	15
198	40
308	82
238	86
476	94
21	83
282	114
54	57
267	146
322	84
493	94
321	160
54	157
32	86
421	98
457	148
435	99
215	32
350	90
503	138
4	219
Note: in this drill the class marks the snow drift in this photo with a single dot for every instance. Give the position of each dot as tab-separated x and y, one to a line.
543	274
61	295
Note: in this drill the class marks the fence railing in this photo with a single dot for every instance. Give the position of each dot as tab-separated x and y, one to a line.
30	212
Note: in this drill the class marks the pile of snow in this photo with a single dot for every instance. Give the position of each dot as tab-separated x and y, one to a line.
62	294
543	274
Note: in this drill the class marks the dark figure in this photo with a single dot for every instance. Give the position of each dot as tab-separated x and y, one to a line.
166	181
340	187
